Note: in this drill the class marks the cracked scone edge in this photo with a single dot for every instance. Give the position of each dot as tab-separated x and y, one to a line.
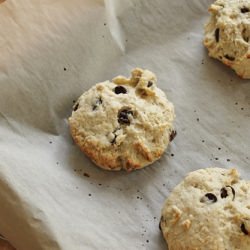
190	220
144	128
227	34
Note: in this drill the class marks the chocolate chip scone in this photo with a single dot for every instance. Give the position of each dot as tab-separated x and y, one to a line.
227	34
208	210
123	124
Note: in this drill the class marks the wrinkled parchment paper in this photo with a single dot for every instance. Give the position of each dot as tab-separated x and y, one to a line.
52	196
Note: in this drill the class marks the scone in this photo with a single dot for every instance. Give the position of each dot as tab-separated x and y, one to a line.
123	124
208	210
227	34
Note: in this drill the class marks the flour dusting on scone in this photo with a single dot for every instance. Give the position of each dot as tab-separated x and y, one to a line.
227	34
208	210
123	124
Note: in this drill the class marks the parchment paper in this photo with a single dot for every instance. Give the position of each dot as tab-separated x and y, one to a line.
52	51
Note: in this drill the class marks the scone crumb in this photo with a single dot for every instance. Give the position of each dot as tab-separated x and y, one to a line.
186	224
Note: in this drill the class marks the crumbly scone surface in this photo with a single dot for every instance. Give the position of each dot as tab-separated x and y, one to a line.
125	123
227	34
208	210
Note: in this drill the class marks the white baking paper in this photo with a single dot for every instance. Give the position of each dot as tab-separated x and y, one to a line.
52	51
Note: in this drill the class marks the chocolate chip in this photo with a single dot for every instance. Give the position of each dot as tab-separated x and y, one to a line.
230	58
120	90
244	9
217	35
172	135
123	116
243	229
76	106
115	136
208	198
224	192
97	103
114	140
150	83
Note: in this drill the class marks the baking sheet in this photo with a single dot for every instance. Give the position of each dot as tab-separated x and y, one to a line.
52	51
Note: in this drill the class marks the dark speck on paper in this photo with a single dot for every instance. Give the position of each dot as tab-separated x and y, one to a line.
86	175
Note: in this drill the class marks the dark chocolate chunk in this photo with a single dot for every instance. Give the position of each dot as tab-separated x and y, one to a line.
243	229
172	135
233	191
223	193
209	198
76	106
97	103
123	116
244	9
217	35
150	83
114	139
120	90
230	58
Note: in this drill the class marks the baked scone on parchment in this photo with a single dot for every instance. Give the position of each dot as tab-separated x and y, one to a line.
227	34
126	123
208	210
